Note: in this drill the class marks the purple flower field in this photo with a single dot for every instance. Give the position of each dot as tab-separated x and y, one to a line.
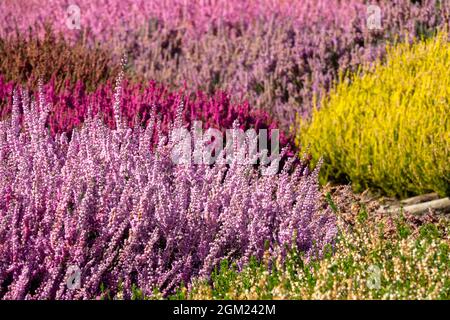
94	200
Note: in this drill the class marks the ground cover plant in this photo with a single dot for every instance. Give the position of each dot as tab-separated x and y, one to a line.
388	128
26	59
106	194
126	215
71	106
377	257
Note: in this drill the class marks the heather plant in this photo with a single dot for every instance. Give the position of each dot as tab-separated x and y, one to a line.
26	59
104	19
387	257
277	55
277	63
388	128
70	107
111	207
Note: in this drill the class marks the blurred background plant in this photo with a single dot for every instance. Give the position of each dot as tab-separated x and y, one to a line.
102	194
27	58
115	204
71	107
275	54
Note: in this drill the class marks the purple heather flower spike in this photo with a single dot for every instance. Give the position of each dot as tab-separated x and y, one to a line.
116	209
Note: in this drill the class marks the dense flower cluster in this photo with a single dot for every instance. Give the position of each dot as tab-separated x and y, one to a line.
280	64
395	257
122	212
106	18
71	106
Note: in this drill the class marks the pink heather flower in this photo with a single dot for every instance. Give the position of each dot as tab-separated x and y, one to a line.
111	202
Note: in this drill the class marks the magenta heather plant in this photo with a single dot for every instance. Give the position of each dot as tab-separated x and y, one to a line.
70	107
117	208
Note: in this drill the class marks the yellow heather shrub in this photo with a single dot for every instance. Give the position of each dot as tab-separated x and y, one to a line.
388	127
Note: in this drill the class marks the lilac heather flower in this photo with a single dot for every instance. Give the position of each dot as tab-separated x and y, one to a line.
112	203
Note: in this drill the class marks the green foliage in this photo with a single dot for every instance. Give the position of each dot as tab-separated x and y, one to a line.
389	127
